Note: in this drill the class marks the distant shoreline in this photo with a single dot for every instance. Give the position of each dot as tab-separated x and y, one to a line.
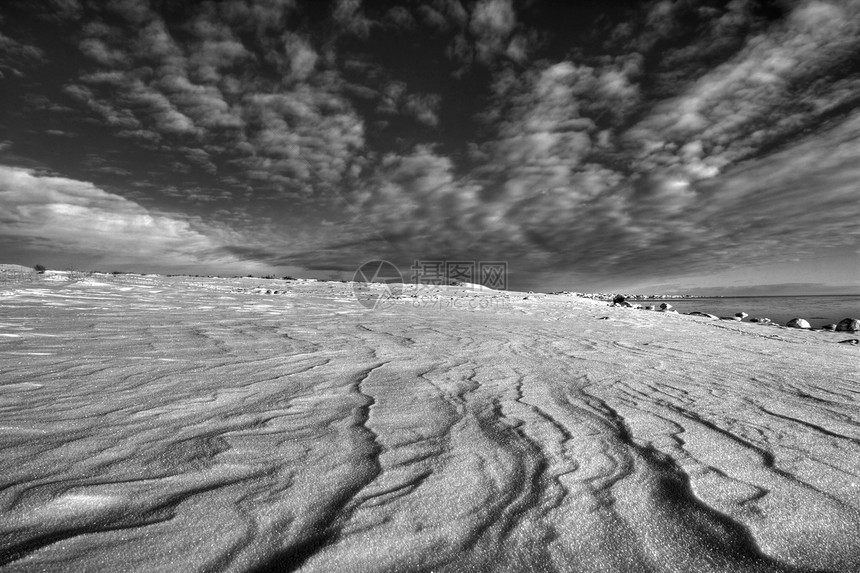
10	271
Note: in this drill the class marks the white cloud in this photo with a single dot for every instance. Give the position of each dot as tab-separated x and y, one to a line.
395	99
417	198
444	15
96	49
400	18
15	56
215	48
350	17
775	85
556	173
206	104
492	23
61	215
542	135
236	90
119	118
302	57
158	109
423	107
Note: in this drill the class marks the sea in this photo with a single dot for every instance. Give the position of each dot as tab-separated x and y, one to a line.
816	309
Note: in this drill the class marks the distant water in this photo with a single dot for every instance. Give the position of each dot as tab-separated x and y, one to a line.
817	310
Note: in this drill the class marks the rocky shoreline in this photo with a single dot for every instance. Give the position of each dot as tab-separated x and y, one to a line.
845	325
15	273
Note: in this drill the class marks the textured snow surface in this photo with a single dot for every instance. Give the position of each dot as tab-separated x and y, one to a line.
187	424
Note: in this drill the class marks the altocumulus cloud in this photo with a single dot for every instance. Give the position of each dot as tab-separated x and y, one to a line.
660	138
257	106
588	168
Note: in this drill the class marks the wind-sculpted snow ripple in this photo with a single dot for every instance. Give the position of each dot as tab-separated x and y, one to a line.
200	425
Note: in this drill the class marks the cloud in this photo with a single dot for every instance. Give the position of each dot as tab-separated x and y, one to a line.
423	107
680	139
235	92
483	36
349	15
56	11
394	99
60	215
110	115
777	85
15	57
769	210
564	181
205	104
400	18
492	23
532	194
216	49
302	57
444	15
804	195
415	201
308	136
97	50
545	123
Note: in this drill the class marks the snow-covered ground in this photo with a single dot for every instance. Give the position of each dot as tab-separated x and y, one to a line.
192	424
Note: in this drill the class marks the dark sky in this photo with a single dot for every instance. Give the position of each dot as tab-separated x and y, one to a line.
670	146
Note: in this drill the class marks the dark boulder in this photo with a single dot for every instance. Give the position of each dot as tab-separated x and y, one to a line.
705	314
848	325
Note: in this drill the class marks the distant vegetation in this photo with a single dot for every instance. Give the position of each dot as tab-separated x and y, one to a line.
40	269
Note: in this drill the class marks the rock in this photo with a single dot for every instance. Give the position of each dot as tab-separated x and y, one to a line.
741	315
649	307
829	327
848	325
705	314
619	299
850	341
797	323
760	320
665	306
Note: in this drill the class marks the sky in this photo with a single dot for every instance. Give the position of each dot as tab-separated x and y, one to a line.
661	146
